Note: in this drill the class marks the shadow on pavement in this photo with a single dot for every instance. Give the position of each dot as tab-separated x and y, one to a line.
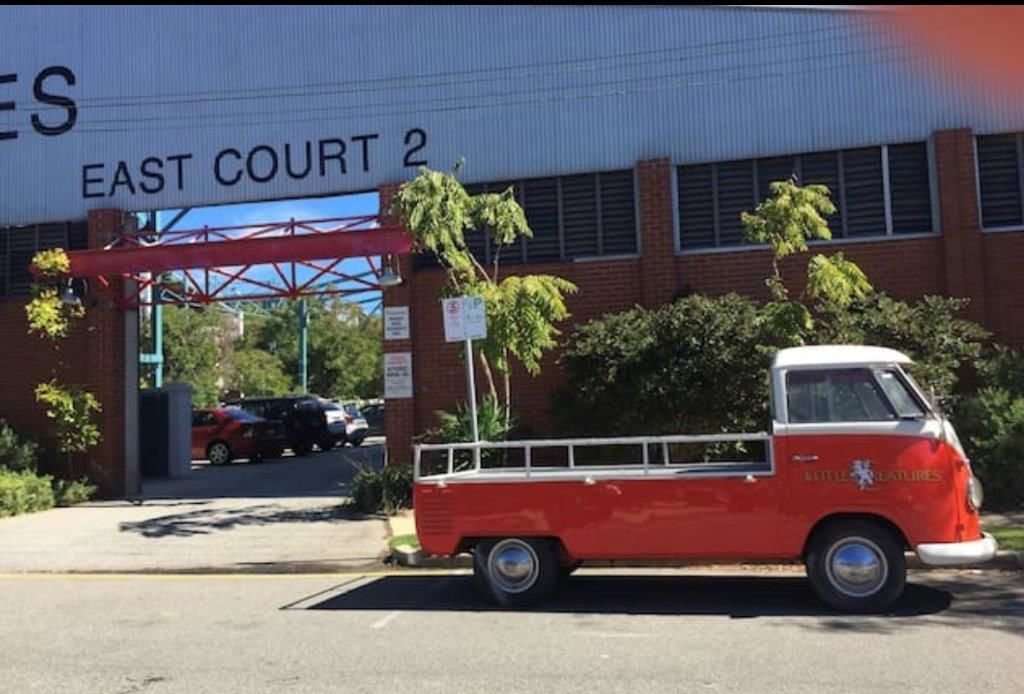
734	597
206	521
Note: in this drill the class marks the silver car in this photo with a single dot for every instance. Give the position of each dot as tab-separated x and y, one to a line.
356	428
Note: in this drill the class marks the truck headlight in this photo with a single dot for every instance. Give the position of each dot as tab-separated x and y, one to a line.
975	493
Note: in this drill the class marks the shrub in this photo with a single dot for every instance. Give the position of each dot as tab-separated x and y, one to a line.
72	409
1003	368
71	492
382	491
24	491
16	454
991	424
929	332
694	366
456	427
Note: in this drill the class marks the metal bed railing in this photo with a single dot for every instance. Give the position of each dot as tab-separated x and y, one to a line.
476	464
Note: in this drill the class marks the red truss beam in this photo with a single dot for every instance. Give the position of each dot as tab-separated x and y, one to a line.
300	258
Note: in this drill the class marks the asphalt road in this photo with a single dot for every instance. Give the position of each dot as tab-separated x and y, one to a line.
608	631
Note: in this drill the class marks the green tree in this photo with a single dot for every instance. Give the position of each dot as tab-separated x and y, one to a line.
344	351
194	340
521	311
255	372
71	407
791	216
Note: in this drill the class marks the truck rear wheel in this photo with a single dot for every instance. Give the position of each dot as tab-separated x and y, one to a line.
857	566
515	571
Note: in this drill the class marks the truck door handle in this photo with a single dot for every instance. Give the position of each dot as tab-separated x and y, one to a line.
803	458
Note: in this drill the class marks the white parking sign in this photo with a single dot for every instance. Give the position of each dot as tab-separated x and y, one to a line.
465	318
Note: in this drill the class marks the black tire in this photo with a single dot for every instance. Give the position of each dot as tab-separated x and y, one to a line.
302	448
538	584
857	566
219	453
325	444
357	442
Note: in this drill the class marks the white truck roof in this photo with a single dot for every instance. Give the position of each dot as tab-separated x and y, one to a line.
835	355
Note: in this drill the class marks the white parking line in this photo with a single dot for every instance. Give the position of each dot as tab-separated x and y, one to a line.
381	623
393	615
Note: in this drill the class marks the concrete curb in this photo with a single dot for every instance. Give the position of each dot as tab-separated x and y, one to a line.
405	555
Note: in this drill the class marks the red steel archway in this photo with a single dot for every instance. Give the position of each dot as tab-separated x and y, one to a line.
296	258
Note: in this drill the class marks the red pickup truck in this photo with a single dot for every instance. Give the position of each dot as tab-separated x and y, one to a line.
858	468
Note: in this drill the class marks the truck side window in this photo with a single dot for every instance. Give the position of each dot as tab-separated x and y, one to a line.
835	395
899	395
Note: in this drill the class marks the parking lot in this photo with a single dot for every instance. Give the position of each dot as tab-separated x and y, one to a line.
277	515
607	631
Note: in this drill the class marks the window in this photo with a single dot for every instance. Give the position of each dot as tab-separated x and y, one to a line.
878	191
202	419
999	181
19	244
837	395
582	216
906	405
240	415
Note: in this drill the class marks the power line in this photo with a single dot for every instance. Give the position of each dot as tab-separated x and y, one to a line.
356	108
560	98
407	83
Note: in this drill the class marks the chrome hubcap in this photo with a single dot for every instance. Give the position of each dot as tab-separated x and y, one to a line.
218	454
513	566
857	567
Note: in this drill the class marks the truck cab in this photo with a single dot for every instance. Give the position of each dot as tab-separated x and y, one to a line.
857	468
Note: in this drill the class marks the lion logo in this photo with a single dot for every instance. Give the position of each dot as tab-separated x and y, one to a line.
862	473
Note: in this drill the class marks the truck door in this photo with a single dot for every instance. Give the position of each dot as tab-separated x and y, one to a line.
855	440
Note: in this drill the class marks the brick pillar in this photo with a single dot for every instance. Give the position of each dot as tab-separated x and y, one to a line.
104	372
963	262
399	413
657	232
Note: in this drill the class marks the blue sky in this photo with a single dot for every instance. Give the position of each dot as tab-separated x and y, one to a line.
269	212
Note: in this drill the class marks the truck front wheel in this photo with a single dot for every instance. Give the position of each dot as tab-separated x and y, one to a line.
514	571
857	566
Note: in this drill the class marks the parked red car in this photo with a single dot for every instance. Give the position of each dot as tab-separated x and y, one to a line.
223	434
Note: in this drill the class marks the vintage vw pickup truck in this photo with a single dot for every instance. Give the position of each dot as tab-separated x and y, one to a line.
858	468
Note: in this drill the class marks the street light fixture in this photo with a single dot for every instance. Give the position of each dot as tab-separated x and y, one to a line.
389	277
69	296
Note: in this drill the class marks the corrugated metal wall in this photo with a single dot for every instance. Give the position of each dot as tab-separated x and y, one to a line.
518	91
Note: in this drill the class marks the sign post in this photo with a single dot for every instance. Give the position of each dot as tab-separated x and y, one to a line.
465	320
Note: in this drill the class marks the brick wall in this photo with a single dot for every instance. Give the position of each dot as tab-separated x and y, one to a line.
93	356
961	261
399	420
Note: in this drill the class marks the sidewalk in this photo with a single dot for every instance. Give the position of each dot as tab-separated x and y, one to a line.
277	516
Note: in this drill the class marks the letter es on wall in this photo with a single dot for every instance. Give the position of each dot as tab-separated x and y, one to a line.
40	90
59	112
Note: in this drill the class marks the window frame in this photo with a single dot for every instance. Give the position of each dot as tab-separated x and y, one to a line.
839	239
870	371
1019	137
519	254
915	395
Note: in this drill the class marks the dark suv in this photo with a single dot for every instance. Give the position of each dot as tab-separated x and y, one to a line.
302	416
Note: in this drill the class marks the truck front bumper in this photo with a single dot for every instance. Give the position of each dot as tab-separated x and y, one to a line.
954	553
